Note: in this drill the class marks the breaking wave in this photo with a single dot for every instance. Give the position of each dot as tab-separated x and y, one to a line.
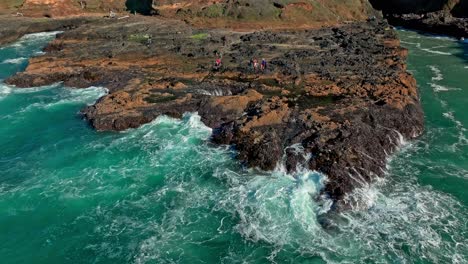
405	222
14	61
4	90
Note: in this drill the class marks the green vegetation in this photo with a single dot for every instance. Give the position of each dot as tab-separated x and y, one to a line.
216	10
200	36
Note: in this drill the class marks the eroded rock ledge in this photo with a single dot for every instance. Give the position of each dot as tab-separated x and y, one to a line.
342	94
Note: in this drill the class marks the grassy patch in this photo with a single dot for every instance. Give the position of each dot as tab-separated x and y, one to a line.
200	36
140	38
213	11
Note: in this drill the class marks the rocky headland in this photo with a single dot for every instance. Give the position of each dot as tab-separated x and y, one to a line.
336	99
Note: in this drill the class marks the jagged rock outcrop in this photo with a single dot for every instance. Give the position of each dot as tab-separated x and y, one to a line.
339	95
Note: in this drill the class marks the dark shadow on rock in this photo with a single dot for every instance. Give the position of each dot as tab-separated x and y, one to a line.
143	7
461	9
408	6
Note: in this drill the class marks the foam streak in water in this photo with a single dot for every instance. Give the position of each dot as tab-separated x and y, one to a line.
14	61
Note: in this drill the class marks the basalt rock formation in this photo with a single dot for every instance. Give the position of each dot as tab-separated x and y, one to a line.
449	17
336	99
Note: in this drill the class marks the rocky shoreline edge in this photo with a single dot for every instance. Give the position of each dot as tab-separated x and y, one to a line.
435	23
340	95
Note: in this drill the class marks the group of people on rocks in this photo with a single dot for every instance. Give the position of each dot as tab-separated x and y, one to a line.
253	64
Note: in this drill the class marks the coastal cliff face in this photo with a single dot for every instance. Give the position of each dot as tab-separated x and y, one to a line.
337	100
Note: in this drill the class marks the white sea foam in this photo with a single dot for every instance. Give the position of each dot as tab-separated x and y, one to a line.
31	38
14	61
215	92
437	73
462	139
71	96
441	88
64	97
436	52
399	220
34	89
431	50
38	36
4	90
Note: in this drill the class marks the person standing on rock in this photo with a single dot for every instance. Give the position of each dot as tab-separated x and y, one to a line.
263	66
149	41
255	65
218	63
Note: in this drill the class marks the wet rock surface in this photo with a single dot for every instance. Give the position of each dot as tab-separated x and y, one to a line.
337	100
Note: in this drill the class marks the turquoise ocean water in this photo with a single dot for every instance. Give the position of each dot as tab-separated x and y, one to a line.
163	194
